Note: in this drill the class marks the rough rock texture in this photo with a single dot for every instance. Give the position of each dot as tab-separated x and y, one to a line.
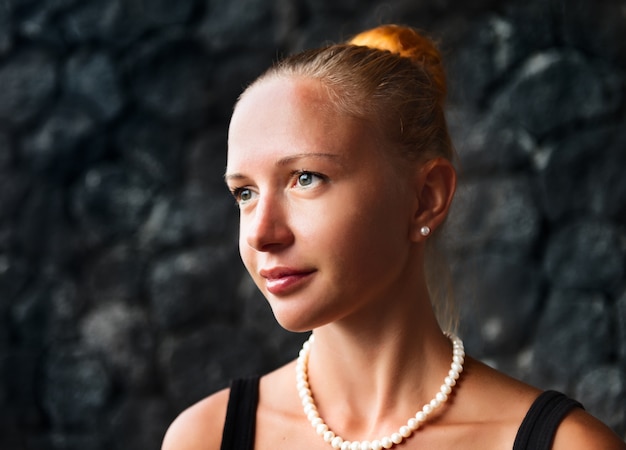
122	298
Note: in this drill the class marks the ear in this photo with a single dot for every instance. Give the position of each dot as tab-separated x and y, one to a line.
435	183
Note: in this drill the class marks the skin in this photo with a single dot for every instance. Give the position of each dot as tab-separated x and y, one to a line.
330	234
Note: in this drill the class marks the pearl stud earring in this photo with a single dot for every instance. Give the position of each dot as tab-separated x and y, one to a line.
425	230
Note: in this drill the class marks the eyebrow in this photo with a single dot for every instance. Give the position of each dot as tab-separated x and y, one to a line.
290	159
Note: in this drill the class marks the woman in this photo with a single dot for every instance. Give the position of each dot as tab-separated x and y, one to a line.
340	161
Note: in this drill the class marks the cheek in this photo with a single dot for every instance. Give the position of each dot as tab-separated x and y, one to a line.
378	205
381	229
359	228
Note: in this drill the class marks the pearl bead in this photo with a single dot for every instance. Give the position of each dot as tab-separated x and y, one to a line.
321	429
405	431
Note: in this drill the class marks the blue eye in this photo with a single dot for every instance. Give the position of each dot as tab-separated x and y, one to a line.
243	195
306	179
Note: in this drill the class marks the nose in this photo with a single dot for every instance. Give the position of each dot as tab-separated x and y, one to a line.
266	227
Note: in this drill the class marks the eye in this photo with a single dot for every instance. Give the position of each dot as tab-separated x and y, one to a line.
243	195
305	179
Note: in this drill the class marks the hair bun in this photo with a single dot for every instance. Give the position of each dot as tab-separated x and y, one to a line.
408	43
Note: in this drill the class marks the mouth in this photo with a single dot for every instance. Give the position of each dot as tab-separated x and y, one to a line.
283	280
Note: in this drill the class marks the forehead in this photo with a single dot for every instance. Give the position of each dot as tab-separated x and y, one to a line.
298	95
283	114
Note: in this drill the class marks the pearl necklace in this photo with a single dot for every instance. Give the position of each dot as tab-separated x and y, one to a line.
337	442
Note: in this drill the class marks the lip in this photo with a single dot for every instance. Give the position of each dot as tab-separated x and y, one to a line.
285	280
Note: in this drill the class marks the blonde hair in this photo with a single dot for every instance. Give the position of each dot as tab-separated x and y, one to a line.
392	76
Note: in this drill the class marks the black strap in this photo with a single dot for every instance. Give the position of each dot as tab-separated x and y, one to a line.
542	420
241	415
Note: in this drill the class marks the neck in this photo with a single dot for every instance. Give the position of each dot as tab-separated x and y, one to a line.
366	376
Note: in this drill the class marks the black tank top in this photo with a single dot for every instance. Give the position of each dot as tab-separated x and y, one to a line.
536	432
241	415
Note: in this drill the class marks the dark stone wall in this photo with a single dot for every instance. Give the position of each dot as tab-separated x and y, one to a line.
122	297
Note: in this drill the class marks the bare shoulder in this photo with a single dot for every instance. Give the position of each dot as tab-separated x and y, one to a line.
504	402
580	430
490	405
200	426
498	396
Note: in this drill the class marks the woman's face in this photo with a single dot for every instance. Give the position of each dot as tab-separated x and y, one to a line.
325	216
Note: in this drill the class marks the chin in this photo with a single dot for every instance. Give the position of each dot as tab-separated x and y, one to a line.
294	319
294	324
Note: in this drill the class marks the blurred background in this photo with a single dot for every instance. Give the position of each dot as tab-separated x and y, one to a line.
122	296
